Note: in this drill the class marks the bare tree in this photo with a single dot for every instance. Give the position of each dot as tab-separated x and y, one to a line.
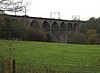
14	5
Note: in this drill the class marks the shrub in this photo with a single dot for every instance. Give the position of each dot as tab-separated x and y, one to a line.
77	37
92	36
49	37
34	35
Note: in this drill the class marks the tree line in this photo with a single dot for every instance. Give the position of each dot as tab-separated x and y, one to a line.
89	33
16	28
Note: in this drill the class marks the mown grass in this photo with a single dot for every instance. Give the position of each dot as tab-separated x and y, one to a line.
74	58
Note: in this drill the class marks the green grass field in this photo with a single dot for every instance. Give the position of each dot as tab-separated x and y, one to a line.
73	58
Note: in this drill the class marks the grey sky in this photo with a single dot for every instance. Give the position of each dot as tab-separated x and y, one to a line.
67	8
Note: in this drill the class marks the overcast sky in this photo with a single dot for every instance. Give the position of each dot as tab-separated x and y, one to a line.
67	8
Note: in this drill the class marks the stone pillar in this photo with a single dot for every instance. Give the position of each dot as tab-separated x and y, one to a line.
66	37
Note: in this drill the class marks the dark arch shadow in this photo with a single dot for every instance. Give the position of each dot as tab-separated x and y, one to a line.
63	32
69	27
45	26
63	27
34	24
55	32
55	27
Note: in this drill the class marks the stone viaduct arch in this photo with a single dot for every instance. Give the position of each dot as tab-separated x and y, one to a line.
63	27
63	32
55	31
34	24
58	28
69	27
76	26
45	26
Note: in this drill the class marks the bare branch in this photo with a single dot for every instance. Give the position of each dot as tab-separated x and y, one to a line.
14	5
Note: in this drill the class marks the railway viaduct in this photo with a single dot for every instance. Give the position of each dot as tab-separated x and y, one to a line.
58	28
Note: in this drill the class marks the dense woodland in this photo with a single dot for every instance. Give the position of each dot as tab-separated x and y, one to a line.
88	33
15	29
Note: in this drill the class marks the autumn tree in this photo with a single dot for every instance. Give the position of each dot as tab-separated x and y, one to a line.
92	36
77	38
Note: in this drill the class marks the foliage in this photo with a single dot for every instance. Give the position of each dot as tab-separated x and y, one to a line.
35	35
11	28
93	23
92	36
92	30
49	37
89	25
15	28
77	37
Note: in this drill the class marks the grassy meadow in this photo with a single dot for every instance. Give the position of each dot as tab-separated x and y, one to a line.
58	57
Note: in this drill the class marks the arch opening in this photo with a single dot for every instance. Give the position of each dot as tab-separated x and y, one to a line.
63	32
55	27
45	26
55	32
34	24
63	27
69	27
